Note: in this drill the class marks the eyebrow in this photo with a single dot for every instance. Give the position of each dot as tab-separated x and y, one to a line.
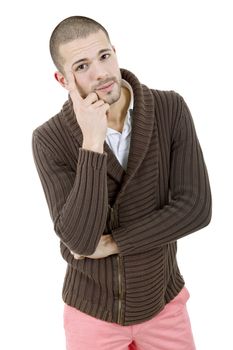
86	59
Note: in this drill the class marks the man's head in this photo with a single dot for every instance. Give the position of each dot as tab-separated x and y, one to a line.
82	45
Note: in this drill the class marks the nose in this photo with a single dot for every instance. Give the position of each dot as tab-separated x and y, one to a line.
98	71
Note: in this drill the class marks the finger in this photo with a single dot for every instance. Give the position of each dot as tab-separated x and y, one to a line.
91	98
98	103
77	256
106	107
71	85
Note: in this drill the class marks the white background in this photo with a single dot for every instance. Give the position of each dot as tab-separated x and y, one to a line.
184	46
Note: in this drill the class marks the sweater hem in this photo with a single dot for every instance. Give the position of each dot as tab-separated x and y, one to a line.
96	311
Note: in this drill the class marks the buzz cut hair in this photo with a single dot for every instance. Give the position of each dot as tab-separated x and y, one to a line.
71	28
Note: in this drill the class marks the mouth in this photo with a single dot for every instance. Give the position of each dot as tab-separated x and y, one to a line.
106	87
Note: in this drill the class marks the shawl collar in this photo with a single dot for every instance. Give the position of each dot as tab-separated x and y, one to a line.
143	124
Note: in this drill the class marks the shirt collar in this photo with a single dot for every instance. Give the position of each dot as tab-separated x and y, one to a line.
128	117
127	85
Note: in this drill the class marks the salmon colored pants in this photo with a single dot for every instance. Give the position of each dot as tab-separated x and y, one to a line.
169	330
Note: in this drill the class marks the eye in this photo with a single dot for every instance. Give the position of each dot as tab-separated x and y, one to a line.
80	67
106	54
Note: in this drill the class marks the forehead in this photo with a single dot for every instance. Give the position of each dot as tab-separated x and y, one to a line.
84	47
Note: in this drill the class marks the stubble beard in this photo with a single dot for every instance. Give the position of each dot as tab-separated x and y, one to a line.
112	96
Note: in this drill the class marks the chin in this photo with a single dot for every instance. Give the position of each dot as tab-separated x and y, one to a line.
112	99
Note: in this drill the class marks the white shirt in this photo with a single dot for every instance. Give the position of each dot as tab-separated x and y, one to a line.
120	142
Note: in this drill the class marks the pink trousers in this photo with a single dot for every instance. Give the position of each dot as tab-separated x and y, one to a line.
169	330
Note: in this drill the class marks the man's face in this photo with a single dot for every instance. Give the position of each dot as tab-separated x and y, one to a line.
94	63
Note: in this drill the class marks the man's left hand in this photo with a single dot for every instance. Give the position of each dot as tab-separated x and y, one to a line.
107	246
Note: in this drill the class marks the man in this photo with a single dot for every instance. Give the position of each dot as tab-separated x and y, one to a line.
124	178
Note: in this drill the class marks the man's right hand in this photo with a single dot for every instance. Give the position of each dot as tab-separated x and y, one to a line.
91	115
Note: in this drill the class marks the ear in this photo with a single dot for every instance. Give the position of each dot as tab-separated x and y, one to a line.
61	79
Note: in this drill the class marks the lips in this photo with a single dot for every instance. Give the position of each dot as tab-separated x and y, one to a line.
105	85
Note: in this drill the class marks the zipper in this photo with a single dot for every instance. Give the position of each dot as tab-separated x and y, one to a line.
119	262
113	224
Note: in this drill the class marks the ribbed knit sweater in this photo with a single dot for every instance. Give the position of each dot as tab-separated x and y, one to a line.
163	195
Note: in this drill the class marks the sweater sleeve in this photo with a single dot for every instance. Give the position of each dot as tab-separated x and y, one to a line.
189	207
77	201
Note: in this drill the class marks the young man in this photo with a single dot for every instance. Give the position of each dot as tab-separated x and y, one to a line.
124	178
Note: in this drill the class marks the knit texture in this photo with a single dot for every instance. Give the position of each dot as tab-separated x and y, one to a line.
162	196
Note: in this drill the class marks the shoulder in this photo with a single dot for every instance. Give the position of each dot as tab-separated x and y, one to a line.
169	108
55	126
166	98
51	135
49	128
165	101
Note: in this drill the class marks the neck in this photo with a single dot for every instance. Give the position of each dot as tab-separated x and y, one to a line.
118	110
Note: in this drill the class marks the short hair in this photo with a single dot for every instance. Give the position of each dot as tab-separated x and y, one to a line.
69	29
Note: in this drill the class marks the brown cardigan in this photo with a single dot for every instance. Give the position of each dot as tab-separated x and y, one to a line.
162	196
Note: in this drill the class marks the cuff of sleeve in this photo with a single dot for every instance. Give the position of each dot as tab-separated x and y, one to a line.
120	237
95	159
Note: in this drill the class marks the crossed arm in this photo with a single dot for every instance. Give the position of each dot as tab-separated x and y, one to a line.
107	246
78	198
